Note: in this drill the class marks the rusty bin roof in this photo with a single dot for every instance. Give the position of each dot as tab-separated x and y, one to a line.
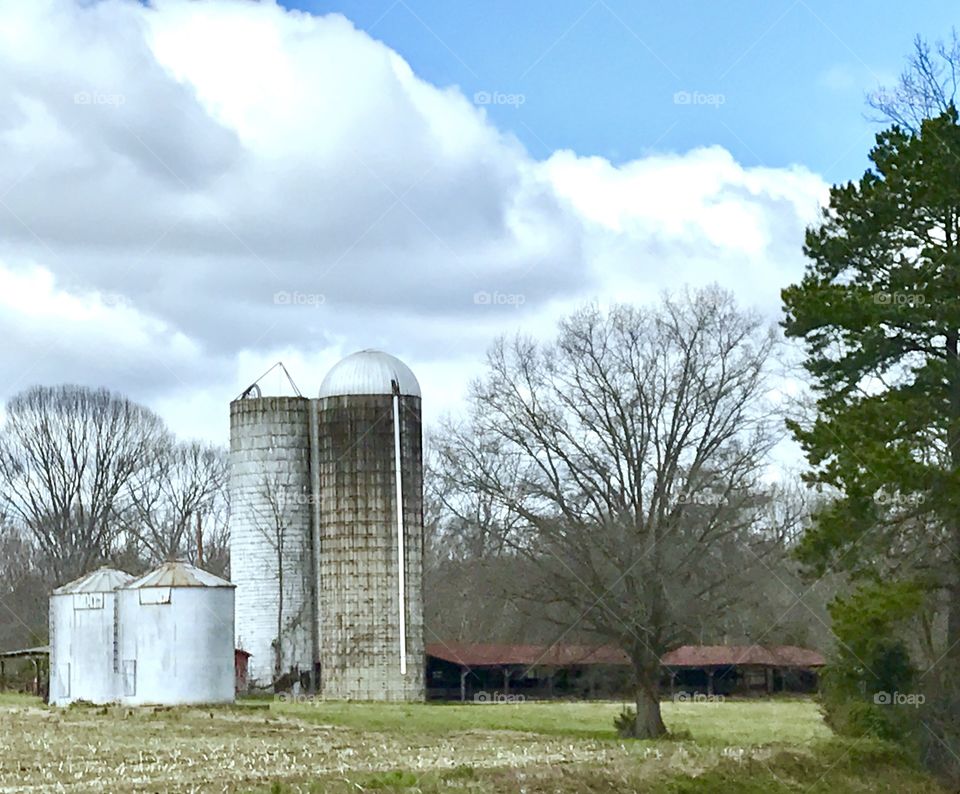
178	574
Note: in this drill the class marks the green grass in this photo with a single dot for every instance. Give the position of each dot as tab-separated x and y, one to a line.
20	699
730	722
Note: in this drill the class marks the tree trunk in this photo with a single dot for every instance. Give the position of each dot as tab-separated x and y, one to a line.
953	437
953	621
649	723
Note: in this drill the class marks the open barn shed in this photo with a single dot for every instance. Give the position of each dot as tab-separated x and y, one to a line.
484	671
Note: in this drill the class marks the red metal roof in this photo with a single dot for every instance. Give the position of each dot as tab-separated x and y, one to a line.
493	655
485	655
725	655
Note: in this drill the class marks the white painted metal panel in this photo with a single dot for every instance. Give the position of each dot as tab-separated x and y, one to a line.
179	651
82	629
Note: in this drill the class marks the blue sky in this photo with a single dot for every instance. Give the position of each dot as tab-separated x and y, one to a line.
304	198
778	82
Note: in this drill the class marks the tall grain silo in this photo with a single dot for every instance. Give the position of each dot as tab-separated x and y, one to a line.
371	530
271	542
176	637
84	660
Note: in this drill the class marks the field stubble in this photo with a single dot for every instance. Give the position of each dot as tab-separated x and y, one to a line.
330	747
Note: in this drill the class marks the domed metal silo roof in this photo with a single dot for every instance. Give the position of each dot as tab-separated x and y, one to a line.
369	372
102	580
178	574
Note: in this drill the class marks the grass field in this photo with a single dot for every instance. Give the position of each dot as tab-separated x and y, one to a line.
263	746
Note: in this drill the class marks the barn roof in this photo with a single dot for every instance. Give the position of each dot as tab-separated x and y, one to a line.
22	653
486	654
490	655
727	655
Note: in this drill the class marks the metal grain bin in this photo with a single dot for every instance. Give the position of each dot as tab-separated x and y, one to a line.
176	637
84	664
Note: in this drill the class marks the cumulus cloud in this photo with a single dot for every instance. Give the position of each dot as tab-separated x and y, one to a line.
190	191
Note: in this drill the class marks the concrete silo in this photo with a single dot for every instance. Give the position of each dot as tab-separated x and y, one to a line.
371	530
176	637
271	542
84	659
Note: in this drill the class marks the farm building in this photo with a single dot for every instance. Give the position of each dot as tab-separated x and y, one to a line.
466	671
83	638
165	638
473	672
743	669
38	657
176	637
326	533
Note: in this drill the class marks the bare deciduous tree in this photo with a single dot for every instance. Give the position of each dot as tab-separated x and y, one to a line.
180	483
67	453
275	522
628	454
927	87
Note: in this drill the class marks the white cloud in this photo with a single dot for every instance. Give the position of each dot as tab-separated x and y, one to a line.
196	159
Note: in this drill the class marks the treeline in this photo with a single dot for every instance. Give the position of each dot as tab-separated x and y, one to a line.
878	314
89	477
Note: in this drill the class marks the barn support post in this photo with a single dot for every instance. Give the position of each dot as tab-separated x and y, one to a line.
673	683
36	667
769	680
3	674
506	680
463	684
710	674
